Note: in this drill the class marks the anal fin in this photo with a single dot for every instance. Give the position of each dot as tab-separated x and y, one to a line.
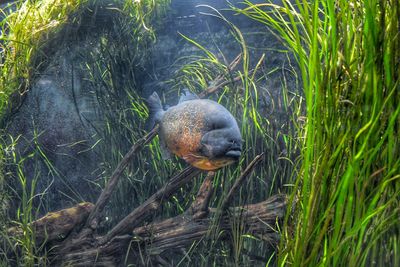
165	153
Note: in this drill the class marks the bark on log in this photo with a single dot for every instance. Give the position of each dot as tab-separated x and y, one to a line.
55	226
258	219
153	203
181	231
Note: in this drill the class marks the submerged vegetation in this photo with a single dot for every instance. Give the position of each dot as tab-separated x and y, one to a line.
334	149
30	36
24	37
348	186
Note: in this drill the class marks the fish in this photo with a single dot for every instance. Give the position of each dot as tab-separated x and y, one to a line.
200	131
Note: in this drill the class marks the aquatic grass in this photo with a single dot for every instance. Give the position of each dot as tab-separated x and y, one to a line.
24	54
25	35
348	184
28	36
21	249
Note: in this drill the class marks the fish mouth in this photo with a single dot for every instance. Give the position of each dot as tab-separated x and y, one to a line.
233	154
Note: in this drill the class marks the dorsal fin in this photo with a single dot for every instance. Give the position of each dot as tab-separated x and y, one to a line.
187	95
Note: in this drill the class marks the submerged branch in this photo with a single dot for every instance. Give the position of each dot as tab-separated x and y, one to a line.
240	180
219	82
142	212
200	204
95	215
89	248
258	219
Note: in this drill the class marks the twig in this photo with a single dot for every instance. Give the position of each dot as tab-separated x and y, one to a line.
94	216
240	180
219	81
213	89
199	206
142	212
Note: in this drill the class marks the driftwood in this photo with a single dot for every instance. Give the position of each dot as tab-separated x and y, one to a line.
94	216
181	231
55	226
72	233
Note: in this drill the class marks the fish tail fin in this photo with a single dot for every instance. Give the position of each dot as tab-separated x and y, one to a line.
156	111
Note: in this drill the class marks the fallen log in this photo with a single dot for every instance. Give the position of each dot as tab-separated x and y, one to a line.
156	238
178	232
258	219
55	226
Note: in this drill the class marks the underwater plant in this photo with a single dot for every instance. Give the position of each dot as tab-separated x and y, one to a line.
347	192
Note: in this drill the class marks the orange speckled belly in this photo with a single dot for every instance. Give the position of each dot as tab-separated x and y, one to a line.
207	164
186	147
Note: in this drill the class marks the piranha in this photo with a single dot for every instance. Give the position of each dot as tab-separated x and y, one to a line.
200	131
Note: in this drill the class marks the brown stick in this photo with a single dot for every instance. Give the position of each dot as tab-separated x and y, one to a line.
94	216
142	212
55	226
218	82
240	180
200	204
